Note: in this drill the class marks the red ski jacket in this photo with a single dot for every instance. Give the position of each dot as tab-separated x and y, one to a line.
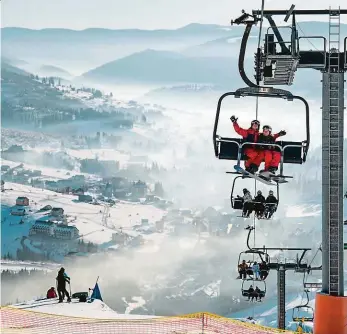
249	135
51	294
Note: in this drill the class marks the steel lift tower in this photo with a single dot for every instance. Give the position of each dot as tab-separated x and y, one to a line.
276	64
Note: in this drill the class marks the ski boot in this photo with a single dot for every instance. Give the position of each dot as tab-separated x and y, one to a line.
252	168
273	170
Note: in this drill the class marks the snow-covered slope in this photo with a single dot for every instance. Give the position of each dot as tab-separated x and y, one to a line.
86	217
97	309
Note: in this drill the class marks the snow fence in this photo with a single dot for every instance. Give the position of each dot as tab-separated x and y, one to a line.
15	320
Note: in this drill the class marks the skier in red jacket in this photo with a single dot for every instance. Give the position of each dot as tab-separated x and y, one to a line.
254	155
272	155
51	293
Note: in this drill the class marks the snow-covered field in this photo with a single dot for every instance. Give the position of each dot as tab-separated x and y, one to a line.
15	266
86	217
97	309
47	172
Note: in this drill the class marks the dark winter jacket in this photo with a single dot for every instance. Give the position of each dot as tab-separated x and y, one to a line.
271	199
270	139
248	135
62	278
259	198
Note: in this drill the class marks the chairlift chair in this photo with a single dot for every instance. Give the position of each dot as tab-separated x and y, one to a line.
244	289
252	256
237	202
228	148
297	313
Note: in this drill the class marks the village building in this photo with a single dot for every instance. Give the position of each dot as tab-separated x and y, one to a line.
54	229
57	212
18	211
139	189
85	198
22	201
42	227
65	232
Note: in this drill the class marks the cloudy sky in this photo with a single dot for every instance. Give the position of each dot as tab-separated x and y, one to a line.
144	14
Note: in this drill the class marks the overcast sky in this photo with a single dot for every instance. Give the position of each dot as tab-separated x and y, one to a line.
144	14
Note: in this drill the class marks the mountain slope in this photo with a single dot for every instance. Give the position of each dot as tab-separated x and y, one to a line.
53	71
163	67
78	51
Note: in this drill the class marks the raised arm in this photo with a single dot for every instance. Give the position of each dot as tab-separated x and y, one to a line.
280	134
237	128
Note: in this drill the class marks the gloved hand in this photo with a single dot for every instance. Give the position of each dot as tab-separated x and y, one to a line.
233	119
282	133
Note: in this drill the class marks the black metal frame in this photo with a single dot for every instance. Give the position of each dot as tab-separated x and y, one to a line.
234	199
283	146
245	291
300	307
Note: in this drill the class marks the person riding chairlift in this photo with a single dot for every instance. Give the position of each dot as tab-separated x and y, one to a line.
254	155
259	205
243	270
264	270
270	205
247	203
271	154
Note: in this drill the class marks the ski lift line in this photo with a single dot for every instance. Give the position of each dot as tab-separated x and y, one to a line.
256	117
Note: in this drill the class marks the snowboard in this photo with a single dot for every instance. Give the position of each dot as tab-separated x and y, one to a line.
257	177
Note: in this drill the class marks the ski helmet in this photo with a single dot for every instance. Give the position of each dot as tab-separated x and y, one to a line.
268	127
245	190
271	192
258	192
255	121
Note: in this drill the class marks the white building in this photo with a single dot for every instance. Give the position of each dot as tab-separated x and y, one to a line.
52	229
66	232
42	227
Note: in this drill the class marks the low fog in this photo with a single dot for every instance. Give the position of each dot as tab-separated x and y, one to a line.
169	279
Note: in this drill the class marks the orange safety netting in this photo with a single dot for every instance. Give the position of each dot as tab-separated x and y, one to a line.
22	321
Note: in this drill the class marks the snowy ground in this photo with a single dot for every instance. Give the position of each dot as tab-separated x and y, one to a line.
96	309
47	172
27	265
86	217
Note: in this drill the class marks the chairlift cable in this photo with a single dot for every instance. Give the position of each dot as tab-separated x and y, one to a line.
319	248
256	117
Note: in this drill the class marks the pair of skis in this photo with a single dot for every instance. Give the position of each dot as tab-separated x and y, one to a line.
264	178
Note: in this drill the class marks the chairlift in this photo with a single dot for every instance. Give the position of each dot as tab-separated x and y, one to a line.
237	202
297	312
228	148
251	256
262	288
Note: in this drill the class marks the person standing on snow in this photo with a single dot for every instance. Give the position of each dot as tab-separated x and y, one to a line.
62	278
254	155
272	156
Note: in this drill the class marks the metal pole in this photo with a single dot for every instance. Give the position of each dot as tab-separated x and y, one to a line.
281	296
332	183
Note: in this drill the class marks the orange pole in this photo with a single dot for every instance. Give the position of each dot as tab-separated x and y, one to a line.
330	316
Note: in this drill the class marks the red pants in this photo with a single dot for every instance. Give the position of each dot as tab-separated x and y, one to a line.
254	157
272	159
